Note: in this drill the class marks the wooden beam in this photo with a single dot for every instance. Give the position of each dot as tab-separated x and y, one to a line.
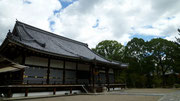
39	86
64	72
48	71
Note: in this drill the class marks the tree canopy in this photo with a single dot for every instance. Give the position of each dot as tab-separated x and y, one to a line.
178	39
150	62
177	56
162	52
110	49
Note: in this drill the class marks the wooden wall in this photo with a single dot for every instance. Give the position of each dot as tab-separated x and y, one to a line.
74	73
38	67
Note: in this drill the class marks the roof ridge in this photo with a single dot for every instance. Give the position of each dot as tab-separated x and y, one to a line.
51	34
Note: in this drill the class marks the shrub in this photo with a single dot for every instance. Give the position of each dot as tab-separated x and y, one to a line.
157	81
177	85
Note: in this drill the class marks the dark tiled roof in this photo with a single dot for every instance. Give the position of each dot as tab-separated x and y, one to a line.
52	43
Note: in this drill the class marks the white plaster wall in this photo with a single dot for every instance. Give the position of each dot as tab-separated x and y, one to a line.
32	60
70	65
56	63
83	67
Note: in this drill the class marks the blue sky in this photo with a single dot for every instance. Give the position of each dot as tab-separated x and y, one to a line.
92	21
27	2
146	38
64	4
97	24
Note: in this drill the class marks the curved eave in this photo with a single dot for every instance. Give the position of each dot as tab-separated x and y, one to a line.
107	63
61	55
5	42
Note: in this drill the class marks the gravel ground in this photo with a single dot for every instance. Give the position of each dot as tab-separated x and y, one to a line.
150	90
175	96
122	95
100	98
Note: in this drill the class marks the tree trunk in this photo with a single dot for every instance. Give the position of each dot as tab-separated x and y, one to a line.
164	79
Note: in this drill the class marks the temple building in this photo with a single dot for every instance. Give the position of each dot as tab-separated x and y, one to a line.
34	58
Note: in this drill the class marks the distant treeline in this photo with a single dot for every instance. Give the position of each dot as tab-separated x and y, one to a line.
154	63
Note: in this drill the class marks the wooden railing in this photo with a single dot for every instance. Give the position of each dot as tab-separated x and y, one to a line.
9	82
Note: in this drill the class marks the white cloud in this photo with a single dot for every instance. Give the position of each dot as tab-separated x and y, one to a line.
36	13
118	19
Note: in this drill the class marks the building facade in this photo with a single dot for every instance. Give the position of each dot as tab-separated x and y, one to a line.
51	59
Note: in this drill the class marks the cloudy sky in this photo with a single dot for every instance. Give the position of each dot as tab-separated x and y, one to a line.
91	21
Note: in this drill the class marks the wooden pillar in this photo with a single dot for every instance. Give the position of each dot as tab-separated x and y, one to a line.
23	63
64	73
70	90
23	58
107	78
9	93
93	76
54	91
98	77
114	75
76	72
48	71
26	92
90	75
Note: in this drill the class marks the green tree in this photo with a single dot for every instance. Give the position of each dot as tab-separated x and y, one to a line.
177	54
140	66
178	39
149	61
136	54
110	49
162	52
